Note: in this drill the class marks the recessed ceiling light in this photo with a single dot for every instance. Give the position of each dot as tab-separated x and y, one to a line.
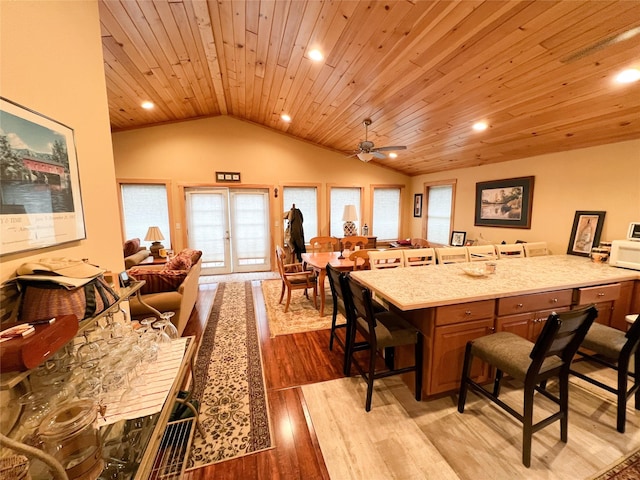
393	155
147	105
285	117
316	55
480	126
628	76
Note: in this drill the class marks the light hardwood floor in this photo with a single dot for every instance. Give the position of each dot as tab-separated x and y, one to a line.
321	430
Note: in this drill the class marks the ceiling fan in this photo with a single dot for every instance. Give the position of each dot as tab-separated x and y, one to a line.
367	150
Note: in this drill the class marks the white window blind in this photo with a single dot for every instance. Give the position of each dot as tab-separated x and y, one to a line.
207	223
439	206
305	199
145	205
250	227
386	213
341	196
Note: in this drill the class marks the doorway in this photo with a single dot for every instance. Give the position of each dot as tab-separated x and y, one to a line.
230	227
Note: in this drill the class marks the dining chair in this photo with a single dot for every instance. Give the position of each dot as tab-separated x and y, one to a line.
360	259
324	244
510	250
533	364
349	243
535	249
415	257
335	281
452	254
391	258
419	243
614	349
482	253
294	277
382	331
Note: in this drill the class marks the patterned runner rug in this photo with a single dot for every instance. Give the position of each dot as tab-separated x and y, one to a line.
302	316
627	468
229	381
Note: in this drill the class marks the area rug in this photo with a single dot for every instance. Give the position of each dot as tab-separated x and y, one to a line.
302	316
627	468
229	381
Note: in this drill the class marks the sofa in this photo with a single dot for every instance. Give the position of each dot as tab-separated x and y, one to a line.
134	253
169	288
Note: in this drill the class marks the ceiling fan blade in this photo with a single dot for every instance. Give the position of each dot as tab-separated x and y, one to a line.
389	149
377	154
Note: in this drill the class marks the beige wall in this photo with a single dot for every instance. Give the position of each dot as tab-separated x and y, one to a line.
51	59
189	153
599	178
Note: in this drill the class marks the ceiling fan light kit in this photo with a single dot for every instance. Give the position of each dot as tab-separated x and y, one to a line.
367	150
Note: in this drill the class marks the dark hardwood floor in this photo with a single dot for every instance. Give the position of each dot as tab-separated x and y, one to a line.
289	362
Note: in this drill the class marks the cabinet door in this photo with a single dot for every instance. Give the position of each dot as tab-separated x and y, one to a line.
604	312
622	307
449	343
518	324
539	319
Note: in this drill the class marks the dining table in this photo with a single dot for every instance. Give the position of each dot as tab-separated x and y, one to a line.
318	263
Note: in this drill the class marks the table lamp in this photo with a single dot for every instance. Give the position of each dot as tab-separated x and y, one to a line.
154	235
349	216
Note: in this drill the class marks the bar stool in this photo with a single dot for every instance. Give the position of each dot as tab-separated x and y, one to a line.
613	349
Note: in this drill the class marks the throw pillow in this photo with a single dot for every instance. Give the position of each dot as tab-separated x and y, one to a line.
158	280
179	262
131	246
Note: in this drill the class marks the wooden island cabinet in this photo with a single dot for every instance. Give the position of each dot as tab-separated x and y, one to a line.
450	308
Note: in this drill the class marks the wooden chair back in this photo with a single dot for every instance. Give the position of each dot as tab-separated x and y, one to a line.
510	250
452	255
360	259
535	249
482	253
324	244
415	257
391	258
349	243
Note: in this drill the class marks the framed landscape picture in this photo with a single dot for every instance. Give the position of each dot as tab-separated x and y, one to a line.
585	233
40	205
504	203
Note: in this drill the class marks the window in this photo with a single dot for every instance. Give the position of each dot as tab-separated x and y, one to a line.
306	200
143	206
386	213
341	196
439	212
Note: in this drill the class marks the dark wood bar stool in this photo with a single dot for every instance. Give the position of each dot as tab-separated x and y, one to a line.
532	364
335	281
381	331
613	349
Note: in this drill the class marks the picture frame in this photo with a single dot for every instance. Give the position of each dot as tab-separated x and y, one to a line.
585	232
417	205
458	239
39	179
504	203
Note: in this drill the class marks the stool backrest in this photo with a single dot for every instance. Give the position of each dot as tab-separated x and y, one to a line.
510	250
633	337
415	257
335	282
452	254
386	258
535	249
359	306
480	253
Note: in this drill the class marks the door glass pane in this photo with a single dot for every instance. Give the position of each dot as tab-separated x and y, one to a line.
340	197
386	213
250	227
143	206
439	213
207	225
306	200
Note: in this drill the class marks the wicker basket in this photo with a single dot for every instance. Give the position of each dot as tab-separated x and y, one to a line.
15	467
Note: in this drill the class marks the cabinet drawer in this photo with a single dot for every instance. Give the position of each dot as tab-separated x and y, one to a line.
602	293
533	302
464	312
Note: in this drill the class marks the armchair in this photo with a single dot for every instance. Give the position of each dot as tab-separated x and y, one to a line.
294	277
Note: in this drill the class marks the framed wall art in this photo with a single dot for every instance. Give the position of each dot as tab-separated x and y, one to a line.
585	233
504	203
40	202
417	205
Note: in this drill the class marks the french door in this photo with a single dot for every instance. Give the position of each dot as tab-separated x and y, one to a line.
230	227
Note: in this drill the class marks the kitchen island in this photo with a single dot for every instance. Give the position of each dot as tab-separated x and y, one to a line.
451	307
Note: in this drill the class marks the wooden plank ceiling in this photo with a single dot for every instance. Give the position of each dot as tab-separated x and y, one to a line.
540	73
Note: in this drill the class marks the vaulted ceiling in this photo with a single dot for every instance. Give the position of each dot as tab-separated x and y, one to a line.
539	73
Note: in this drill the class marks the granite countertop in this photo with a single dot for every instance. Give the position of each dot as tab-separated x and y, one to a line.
411	288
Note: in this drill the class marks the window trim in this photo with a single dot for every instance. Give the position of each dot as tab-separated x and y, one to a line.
425	208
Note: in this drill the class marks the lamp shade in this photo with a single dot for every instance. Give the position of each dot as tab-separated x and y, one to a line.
350	214
364	156
154	235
